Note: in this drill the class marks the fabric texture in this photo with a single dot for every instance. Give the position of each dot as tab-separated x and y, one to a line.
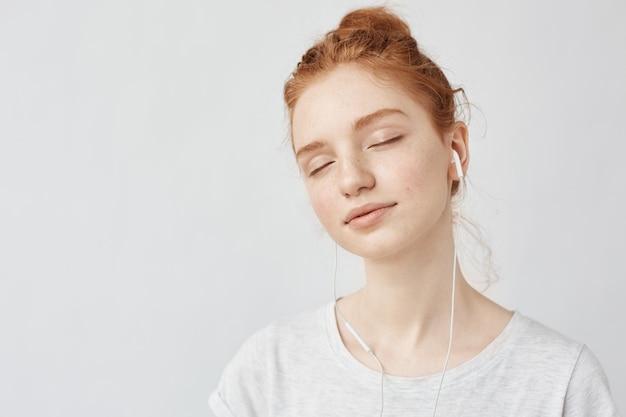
300	367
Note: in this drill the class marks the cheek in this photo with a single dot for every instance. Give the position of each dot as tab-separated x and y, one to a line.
413	175
421	166
421	179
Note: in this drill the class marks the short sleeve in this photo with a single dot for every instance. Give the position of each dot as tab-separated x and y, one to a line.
588	391
219	406
242	390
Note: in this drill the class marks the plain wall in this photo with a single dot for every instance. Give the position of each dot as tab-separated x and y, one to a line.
152	215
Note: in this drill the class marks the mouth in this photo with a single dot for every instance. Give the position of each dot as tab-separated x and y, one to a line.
367	214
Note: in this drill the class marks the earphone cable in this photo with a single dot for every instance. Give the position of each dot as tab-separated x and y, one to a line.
361	342
456	239
450	338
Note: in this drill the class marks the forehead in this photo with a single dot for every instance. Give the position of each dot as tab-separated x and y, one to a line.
331	104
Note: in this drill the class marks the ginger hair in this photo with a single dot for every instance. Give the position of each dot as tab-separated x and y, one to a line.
378	41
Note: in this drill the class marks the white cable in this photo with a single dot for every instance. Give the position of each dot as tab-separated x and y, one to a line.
359	338
456	239
453	293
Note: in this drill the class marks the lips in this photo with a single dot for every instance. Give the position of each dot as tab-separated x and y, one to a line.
367	214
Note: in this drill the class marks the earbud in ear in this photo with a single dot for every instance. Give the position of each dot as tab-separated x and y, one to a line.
457	164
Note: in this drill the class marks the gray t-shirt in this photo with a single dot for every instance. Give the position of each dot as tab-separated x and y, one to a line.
300	368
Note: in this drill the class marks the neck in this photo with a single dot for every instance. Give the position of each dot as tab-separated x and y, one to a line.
404	311
408	295
410	291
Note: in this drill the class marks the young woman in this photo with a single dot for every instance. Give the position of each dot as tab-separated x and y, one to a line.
382	155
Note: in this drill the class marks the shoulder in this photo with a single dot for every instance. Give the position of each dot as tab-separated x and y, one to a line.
283	333
532	354
245	384
281	337
568	366
297	335
588	391
540	341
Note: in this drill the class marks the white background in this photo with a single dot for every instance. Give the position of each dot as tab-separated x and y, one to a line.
152	216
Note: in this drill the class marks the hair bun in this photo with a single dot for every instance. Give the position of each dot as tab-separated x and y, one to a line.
380	42
373	19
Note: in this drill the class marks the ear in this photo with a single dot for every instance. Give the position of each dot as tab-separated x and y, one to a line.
458	141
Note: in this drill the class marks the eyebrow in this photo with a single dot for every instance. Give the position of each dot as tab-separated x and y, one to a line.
367	120
359	124
313	146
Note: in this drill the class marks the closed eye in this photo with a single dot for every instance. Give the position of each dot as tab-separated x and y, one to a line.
321	167
386	142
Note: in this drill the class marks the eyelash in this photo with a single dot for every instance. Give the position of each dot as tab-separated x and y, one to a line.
318	169
387	142
384	142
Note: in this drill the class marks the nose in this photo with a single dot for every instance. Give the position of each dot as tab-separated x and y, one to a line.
355	177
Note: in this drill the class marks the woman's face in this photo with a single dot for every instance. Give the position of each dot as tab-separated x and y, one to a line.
376	171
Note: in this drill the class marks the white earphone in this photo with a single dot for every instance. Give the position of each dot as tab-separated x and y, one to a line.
457	164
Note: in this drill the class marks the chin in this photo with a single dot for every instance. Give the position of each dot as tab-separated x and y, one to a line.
378	249
392	242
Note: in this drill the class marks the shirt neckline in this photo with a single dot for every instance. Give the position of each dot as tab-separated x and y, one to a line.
489	356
